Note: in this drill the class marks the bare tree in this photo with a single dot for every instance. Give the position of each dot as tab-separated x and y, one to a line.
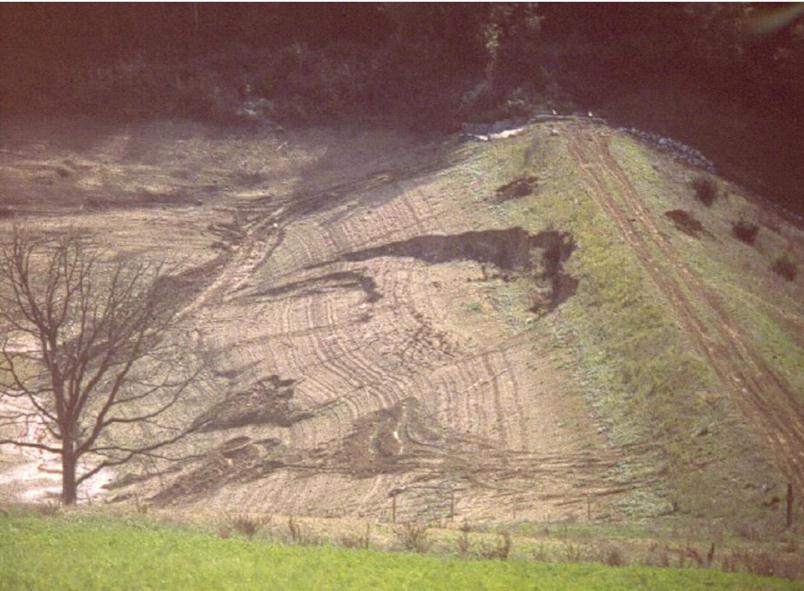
88	354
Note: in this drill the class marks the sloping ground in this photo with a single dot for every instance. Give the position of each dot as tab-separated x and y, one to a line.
502	331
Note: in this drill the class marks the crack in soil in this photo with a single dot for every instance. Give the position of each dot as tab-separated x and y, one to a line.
324	283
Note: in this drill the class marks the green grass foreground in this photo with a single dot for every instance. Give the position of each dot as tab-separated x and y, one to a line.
79	553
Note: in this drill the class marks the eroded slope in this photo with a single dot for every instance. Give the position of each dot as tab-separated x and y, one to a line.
511	330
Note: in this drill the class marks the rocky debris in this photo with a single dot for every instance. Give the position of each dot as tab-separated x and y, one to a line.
675	148
484	132
388	440
238	460
267	401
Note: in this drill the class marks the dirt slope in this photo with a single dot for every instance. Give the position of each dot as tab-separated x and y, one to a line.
440	321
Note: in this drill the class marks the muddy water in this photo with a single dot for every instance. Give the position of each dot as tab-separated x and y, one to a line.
35	475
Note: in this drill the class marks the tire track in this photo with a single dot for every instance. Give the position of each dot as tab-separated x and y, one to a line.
761	395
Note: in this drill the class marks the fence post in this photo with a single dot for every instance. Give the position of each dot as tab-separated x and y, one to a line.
392	493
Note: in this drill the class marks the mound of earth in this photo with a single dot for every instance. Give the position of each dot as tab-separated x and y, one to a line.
382	313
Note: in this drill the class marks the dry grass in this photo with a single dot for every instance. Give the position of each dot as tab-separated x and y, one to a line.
414	537
462	542
357	540
246	525
501	551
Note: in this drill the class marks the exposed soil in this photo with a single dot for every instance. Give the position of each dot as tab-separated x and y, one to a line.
396	388
508	250
268	401
329	282
368	331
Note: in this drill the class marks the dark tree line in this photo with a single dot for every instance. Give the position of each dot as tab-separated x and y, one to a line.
439	64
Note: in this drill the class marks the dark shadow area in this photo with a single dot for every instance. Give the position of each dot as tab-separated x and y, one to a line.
557	248
517	188
685	222
509	250
326	283
745	231
180	288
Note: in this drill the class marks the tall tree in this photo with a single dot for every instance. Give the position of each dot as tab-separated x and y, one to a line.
87	351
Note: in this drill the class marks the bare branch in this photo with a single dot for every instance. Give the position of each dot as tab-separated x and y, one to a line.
130	453
105	355
30	444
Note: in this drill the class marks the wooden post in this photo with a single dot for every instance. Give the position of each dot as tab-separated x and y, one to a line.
789	504
392	493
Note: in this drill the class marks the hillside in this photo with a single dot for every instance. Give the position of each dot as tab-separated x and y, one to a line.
504	331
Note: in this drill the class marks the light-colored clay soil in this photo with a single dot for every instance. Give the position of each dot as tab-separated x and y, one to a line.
400	371
368	329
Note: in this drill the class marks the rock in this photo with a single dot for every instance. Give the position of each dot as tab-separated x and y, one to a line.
503	125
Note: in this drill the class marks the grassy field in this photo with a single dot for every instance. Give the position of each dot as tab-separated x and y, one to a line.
637	368
766	309
71	552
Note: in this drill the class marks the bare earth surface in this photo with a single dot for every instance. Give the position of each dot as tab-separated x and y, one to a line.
369	326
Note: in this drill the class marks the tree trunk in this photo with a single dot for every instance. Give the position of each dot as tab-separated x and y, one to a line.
69	488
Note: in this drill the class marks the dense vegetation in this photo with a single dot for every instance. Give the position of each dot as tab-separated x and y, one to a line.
729	78
84	553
